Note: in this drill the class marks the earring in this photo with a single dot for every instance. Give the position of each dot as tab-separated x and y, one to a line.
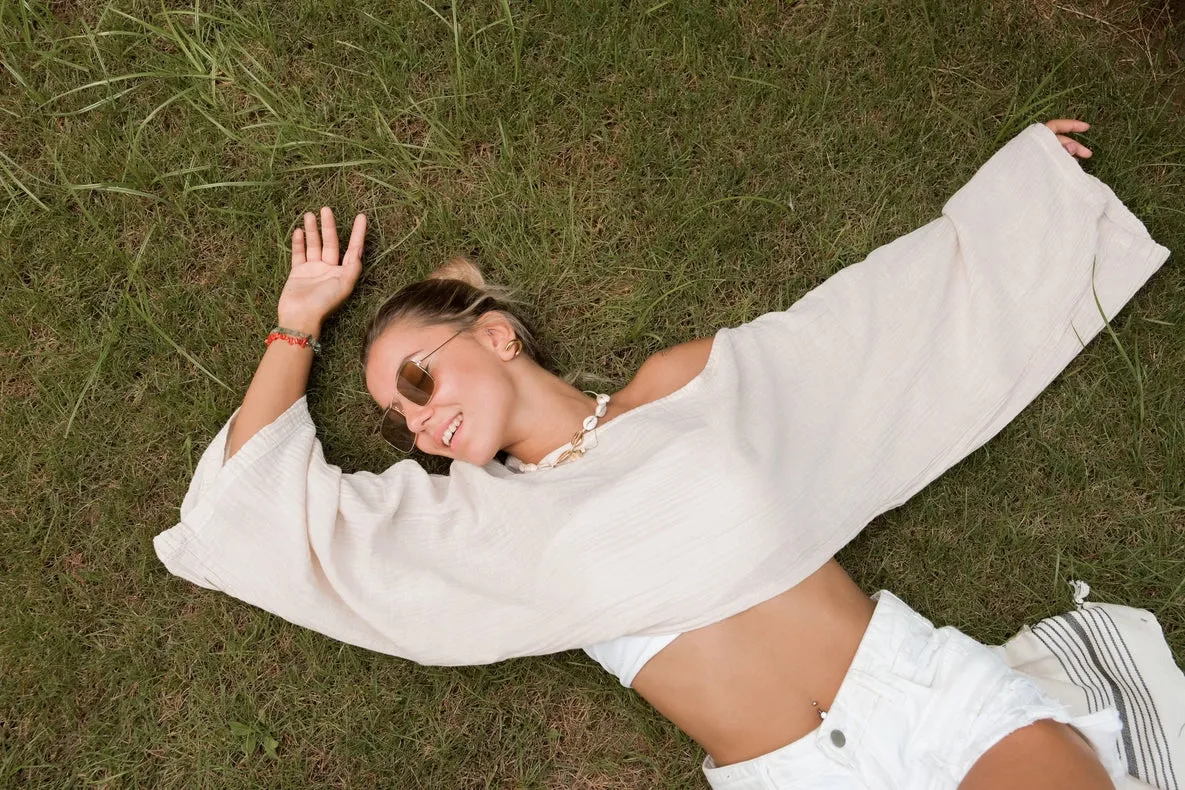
516	344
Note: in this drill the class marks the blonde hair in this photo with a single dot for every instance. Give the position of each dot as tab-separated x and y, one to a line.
455	294
459	268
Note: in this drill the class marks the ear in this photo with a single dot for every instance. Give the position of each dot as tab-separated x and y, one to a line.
494	332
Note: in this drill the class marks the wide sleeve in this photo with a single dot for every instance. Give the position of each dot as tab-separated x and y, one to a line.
897	367
279	527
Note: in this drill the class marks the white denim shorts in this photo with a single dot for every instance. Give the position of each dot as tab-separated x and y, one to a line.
917	708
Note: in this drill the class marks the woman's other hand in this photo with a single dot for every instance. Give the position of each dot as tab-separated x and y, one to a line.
317	285
1064	126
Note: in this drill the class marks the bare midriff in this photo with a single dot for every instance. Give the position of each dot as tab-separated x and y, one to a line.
756	681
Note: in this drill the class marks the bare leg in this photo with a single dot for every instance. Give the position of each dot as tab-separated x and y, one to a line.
1046	755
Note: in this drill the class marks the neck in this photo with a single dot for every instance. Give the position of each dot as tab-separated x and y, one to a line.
549	412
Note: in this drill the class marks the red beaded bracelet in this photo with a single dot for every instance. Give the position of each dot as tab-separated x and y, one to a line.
293	338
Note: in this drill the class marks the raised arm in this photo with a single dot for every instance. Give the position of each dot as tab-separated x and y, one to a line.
897	367
317	285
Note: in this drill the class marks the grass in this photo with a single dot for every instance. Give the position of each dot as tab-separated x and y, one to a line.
644	173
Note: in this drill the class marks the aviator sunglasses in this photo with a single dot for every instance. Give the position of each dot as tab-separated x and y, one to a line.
414	382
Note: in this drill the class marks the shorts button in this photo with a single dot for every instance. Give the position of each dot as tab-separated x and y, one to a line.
838	738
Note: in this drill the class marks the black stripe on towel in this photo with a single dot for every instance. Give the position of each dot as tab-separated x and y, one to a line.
1074	657
1151	735
1136	722
1095	657
1075	664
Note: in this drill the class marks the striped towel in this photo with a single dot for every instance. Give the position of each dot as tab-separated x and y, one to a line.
1109	656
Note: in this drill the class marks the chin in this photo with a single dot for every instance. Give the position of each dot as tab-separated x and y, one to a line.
477	459
475	453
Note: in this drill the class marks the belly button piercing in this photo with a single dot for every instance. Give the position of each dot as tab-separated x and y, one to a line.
818	710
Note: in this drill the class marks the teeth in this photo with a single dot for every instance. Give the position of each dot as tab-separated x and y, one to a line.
451	429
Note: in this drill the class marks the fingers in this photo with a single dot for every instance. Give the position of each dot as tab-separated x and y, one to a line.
1073	147
1066	125
297	248
328	236
353	258
312	238
308	244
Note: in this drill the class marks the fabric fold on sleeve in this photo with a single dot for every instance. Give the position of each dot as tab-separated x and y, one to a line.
280	528
181	548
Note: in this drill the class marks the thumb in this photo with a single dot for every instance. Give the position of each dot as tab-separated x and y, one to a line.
352	260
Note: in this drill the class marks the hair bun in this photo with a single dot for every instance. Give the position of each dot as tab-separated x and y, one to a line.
459	268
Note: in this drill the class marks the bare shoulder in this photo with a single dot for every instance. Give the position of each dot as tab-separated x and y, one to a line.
668	370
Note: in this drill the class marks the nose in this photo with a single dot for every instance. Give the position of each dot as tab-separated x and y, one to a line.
417	417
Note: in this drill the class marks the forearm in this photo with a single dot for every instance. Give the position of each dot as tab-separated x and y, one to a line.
316	286
280	380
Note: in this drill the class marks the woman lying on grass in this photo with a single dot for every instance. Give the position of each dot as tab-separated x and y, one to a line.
683	529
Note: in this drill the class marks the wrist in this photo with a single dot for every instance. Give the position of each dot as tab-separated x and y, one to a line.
308	326
293	337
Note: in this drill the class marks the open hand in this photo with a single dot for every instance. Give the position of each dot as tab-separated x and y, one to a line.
1064	126
317	285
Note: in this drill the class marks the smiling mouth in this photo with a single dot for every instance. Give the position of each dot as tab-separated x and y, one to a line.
451	430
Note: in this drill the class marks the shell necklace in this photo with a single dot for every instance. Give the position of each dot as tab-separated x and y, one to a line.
578	449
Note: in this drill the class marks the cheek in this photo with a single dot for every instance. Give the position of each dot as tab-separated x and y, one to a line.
488	399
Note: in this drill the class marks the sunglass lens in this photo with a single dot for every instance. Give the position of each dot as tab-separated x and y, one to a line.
394	429
415	383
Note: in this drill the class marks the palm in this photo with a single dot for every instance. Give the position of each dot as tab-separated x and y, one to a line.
316	284
315	287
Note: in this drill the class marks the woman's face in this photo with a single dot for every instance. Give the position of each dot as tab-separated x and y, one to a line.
472	383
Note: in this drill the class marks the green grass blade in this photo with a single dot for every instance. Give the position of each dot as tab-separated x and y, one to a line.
736	199
1131	363
230	185
98	84
141	308
113	327
104	349
96	104
116	188
7	165
514	36
335	165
